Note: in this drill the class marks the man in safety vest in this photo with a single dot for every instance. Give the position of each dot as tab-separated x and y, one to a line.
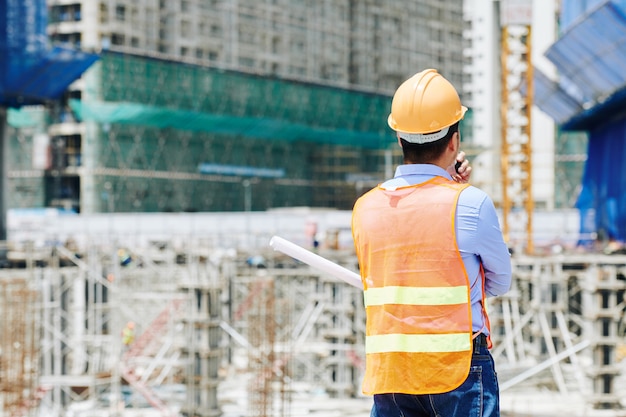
430	250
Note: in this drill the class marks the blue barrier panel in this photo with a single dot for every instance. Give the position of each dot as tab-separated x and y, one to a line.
29	72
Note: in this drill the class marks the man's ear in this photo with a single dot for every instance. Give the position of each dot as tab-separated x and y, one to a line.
399	141
454	143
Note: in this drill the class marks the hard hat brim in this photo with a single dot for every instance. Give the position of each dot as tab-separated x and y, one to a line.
394	125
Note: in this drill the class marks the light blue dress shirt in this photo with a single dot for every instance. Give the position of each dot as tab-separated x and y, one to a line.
478	235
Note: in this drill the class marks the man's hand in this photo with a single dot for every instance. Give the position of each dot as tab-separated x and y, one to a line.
461	170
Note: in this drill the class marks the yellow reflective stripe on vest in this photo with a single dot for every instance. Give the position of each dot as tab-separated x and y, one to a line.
416	296
413	343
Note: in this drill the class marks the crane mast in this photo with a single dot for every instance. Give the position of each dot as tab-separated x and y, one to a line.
517	98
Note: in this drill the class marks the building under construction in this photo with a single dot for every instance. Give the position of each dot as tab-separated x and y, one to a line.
185	105
228	327
211	141
228	105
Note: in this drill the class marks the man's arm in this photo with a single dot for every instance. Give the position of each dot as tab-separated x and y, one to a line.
494	253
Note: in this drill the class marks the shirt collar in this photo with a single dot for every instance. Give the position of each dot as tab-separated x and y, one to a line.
421	169
411	174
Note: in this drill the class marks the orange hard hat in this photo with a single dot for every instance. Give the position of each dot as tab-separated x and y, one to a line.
424	106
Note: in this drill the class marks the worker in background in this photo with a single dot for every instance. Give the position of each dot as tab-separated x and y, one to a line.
430	250
310	230
128	334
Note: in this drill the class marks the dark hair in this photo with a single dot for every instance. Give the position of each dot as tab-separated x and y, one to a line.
427	152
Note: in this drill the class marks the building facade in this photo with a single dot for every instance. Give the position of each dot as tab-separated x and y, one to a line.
327	68
370	44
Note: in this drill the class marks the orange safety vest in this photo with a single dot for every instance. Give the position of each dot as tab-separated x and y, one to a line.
416	289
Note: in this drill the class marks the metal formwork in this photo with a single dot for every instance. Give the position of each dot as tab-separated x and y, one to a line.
87	298
561	327
278	330
303	330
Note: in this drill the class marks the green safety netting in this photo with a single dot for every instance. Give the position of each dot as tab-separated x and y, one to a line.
255	127
153	92
20	118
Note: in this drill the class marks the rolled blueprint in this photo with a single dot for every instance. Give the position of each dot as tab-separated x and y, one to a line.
316	261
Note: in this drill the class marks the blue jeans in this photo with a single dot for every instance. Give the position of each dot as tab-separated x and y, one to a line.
478	396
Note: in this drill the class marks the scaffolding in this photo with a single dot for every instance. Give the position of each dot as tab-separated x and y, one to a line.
565	316
87	299
270	329
19	346
212	141
313	322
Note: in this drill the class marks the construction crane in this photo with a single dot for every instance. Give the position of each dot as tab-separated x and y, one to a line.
517	98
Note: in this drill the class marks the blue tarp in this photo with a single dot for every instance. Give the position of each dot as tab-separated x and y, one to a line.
591	95
23	26
602	201
30	73
553	100
46	79
573	11
590	56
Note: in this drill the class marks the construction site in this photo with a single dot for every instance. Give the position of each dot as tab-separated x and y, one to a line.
151	150
225	325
